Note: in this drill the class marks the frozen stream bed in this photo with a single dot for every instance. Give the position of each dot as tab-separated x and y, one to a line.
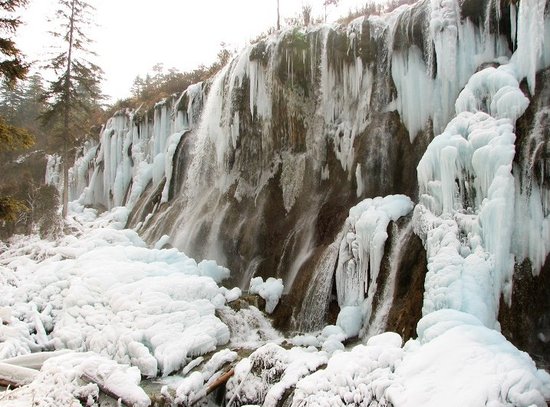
131	316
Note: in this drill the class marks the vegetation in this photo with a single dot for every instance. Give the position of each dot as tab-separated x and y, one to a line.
27	202
10	208
14	138
12	69
161	83
372	8
74	94
21	106
59	115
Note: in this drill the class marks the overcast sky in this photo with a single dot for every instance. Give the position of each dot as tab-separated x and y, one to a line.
134	35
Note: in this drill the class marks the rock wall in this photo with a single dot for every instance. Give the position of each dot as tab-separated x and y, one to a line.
259	167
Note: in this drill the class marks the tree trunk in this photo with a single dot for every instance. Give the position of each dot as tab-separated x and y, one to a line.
65	179
89	379
278	17
66	115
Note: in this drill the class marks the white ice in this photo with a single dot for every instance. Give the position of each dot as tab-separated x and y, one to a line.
270	290
104	291
361	252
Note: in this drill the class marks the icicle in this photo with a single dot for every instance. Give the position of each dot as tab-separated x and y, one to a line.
362	248
530	40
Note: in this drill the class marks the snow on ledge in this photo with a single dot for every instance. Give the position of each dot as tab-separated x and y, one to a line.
270	290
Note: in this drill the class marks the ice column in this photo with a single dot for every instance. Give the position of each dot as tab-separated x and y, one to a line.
362	249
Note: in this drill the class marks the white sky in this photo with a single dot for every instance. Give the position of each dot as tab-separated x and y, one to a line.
134	35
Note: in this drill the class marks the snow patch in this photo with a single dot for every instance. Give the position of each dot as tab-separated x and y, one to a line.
270	290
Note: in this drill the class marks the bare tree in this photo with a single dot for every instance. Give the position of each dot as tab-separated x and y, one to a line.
278	17
328	3
306	14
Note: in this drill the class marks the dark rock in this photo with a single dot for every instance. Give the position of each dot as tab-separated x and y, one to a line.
409	291
526	322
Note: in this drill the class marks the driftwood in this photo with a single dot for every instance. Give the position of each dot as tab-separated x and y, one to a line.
21	370
238	389
87	378
15	376
9	384
220	381
34	360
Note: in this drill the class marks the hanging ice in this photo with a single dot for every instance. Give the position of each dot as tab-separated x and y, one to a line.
362	249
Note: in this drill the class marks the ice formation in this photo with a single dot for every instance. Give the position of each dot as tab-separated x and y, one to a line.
457	351
468	189
359	377
105	292
466	203
60	383
271	370
275	117
136	148
192	388
361	252
298	123
270	290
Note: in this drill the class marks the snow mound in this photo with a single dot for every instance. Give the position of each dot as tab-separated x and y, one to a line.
270	290
106	292
358	377
459	353
268	372
68	379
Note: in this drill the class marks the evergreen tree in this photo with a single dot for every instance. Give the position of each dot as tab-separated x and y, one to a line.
74	95
21	106
12	68
137	87
11	98
31	107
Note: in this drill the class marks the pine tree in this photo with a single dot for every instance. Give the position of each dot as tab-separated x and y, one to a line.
137	87
12	66
31	107
11	98
12	69
21	106
74	94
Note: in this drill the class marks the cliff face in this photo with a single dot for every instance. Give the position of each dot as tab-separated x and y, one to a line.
525	319
258	169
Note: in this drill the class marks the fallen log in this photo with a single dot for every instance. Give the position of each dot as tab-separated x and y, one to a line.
34	360
108	392
15	376
220	380
213	386
9	384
